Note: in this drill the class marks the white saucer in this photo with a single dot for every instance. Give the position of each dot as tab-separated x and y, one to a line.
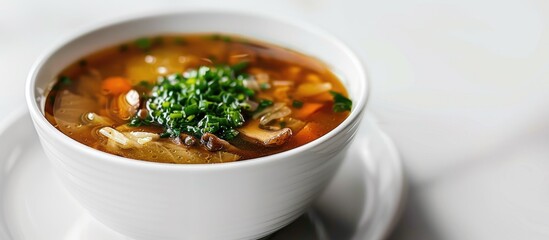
362	202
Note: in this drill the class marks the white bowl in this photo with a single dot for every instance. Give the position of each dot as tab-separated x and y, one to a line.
241	200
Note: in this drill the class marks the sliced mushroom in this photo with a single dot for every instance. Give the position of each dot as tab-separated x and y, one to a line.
252	133
213	143
188	139
275	107
276	111
280	113
268	115
295	124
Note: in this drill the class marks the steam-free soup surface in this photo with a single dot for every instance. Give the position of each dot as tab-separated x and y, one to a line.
205	98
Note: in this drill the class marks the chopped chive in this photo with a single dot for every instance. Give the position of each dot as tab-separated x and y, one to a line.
143	43
176	115
226	38
297	104
65	80
341	103
208	99
264	103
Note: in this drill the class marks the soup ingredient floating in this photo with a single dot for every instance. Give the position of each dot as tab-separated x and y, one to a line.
207	100
196	99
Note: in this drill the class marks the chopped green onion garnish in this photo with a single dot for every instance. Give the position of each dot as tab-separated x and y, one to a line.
143	43
341	103
65	80
206	100
297	104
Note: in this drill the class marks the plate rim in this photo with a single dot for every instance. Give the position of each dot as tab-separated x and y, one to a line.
401	181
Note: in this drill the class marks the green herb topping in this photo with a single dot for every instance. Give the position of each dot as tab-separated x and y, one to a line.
341	103
65	80
143	43
264	103
297	104
207	100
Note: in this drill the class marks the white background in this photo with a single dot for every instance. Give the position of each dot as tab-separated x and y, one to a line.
462	86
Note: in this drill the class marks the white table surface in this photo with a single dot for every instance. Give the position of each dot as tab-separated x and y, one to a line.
461	85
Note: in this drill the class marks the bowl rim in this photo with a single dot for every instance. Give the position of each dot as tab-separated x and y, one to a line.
40	120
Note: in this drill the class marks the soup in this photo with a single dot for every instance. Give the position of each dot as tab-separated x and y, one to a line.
202	98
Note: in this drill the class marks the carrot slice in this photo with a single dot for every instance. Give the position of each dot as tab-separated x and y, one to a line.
307	110
115	85
307	134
